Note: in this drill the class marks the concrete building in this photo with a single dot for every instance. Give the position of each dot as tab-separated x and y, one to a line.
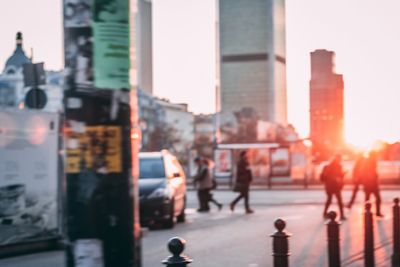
145	46
252	59
326	105
180	125
204	134
151	120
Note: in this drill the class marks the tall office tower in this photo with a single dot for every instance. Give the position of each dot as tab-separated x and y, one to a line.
326	105
145	47
252	63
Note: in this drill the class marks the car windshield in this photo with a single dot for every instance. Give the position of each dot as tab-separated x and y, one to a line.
151	168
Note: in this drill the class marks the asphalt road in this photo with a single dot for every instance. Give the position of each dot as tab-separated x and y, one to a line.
223	238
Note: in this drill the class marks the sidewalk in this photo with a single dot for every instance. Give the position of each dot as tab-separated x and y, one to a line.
281	187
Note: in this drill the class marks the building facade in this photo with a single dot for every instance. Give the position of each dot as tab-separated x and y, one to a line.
326	105
204	134
13	89
145	46
151	121
179	123
252	59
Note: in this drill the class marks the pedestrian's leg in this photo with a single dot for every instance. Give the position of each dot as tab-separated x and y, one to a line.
378	202
367	195
236	200
213	200
246	203
200	199
205	200
354	194
340	203
327	204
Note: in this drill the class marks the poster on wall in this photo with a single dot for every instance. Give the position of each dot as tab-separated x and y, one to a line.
28	176
259	163
111	44
78	42
97	43
223	163
280	161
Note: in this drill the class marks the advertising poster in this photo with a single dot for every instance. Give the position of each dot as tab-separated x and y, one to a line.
111	44
97	43
280	161
78	42
223	163
259	163
96	148
28	176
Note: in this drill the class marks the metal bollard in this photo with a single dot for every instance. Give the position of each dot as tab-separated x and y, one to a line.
369	258
396	234
176	245
333	240
280	245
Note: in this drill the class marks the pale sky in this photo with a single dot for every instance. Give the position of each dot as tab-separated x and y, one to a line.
365	34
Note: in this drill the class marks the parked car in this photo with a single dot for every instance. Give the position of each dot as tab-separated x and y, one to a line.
162	189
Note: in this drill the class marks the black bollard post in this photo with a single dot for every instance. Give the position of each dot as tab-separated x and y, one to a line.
396	234
176	245
280	245
333	240
369	259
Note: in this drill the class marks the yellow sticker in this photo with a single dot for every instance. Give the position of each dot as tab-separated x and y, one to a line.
98	148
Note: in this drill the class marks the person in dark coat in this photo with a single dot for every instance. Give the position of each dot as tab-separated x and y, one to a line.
242	183
370	182
332	177
357	178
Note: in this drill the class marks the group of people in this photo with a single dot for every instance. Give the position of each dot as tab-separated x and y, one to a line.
205	183
364	174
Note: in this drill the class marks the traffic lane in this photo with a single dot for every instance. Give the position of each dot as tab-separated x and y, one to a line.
217	231
236	239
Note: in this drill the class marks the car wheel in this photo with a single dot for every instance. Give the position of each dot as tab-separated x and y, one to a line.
170	222
182	217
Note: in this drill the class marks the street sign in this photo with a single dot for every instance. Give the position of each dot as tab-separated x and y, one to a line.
36	98
34	74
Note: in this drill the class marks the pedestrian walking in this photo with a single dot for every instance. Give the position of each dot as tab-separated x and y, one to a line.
357	178
332	177
204	183
242	182
210	197
370	181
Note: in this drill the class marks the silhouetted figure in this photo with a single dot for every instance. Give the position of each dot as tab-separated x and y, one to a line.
242	183
370	181
332	177
357	178
203	182
210	197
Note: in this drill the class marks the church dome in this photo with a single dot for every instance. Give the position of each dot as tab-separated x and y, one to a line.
18	58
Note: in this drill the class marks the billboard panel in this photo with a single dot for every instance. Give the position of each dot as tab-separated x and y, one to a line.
223	163
280	161
28	176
